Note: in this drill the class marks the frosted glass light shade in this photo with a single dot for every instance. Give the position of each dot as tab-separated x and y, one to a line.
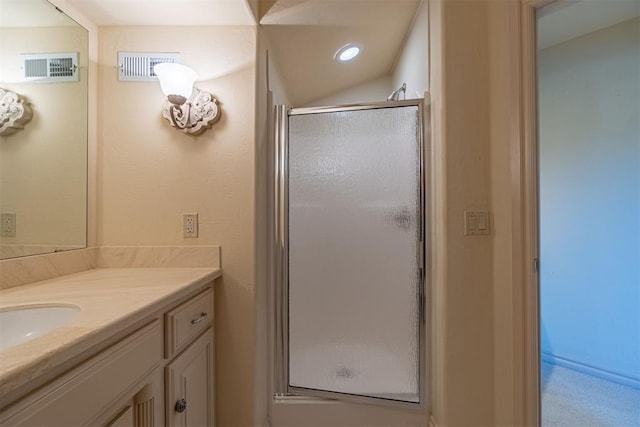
175	79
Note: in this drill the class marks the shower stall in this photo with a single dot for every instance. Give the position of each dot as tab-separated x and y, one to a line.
350	253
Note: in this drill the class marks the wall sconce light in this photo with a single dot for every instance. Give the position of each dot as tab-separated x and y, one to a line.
14	112
187	108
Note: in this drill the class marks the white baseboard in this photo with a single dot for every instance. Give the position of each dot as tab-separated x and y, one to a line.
591	370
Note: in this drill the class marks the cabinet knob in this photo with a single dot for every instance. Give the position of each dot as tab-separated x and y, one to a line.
181	405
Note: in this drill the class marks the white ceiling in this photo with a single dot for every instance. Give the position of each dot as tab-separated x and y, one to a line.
31	13
353	13
567	19
305	35
166	12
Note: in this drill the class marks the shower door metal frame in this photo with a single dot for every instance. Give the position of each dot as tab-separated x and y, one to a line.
281	249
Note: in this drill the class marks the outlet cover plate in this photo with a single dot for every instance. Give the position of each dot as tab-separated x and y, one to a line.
190	225
8	223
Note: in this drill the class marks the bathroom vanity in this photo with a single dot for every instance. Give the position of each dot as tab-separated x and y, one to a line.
140	351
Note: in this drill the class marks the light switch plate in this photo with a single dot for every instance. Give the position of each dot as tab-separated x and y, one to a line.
477	223
8	224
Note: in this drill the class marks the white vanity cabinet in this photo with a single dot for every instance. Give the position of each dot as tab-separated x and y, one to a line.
189	377
84	394
189	385
137	380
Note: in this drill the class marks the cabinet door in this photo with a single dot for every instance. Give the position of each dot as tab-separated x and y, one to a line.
124	418
189	379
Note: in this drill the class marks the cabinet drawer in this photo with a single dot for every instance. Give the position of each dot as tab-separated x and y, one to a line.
187	320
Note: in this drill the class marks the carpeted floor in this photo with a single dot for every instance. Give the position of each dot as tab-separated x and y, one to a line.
574	399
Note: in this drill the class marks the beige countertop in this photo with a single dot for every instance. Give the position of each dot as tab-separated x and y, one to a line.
110	299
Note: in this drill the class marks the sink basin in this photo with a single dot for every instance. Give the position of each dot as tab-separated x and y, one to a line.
20	324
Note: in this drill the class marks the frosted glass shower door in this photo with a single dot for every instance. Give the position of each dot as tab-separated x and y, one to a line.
354	253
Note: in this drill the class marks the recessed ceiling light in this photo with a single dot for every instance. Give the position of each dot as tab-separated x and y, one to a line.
347	52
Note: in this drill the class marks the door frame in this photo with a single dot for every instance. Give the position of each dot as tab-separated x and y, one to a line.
302	410
525	197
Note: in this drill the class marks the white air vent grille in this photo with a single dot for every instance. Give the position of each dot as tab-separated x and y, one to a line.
138	67
50	67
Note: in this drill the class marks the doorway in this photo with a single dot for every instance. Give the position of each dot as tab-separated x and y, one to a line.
588	68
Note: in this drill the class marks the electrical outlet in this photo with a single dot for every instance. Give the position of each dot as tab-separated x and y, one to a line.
8	223
190	225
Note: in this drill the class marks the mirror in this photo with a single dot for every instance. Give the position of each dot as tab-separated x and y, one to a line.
43	160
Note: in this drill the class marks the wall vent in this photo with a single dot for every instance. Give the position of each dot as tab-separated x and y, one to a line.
138	67
50	67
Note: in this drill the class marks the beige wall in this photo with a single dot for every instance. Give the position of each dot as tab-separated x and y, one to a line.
149	174
376	90
462	294
43	167
478	302
412	65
